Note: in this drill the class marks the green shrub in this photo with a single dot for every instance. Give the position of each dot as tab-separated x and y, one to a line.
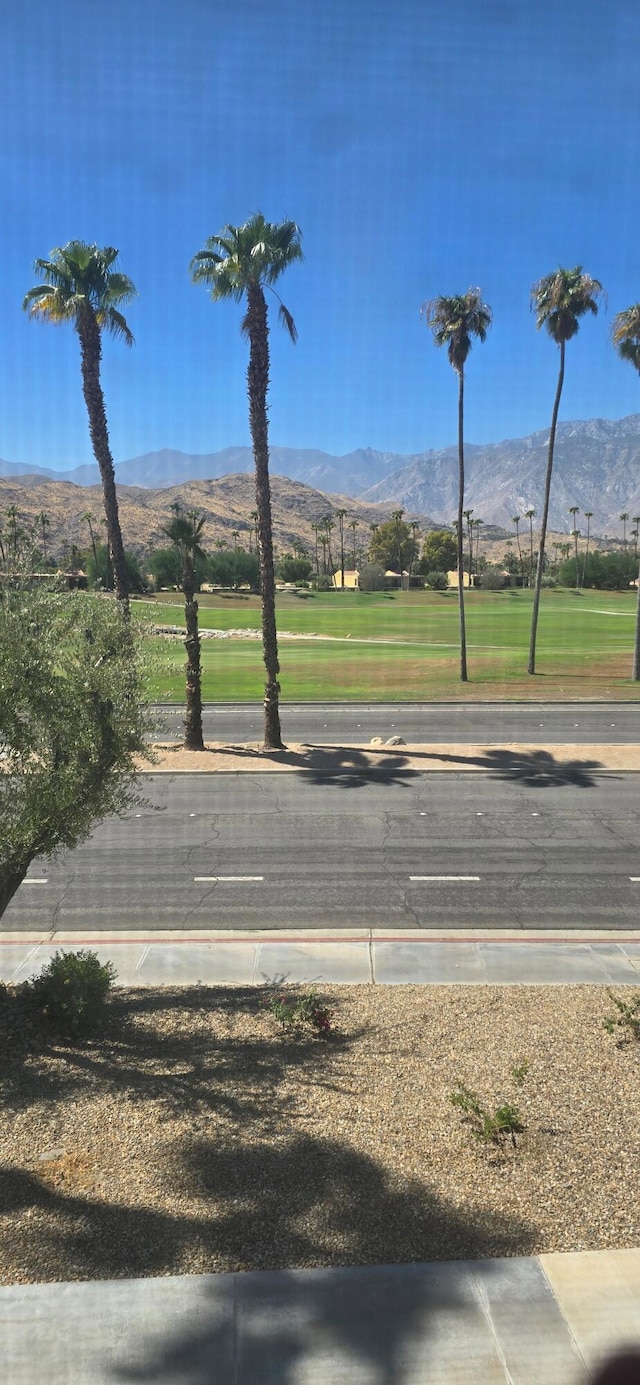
627	1018
324	583
437	581
71	991
299	1012
498	1126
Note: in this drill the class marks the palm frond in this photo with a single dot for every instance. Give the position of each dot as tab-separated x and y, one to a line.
78	277
114	323
288	322
561	298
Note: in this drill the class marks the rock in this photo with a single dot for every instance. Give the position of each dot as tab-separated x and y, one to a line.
376	740
396	740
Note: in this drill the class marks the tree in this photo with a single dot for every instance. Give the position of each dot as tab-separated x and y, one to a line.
575	534
516	520
393	545
634	533
44	523
89	519
295	569
98	575
467	516
588	514
625	334
81	286
340	516
454	322
624	517
353	525
530	514
371	577
72	717
559	300
439	552
185	533
327	527
240	263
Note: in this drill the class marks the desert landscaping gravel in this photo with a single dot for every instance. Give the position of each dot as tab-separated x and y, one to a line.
193	1135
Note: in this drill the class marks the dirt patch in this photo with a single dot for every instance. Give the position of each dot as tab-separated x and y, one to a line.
194	1136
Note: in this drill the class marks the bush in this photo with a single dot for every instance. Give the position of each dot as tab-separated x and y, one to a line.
548	582
371	578
495	1126
297	1012
71	991
627	1018
437	581
324	583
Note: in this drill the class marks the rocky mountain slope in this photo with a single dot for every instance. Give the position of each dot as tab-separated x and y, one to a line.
227	504
596	466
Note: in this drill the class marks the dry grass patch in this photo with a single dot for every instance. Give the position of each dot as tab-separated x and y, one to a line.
194	1136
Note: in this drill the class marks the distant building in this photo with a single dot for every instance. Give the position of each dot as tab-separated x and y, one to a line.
351	578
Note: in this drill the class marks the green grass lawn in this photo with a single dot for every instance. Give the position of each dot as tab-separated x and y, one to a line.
584	647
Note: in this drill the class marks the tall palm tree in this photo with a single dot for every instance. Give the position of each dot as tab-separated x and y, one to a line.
560	300
530	514
340	516
515	519
44	522
575	534
625	334
328	526
477	526
90	519
636	521
184	531
353	525
238	264
588	514
624	517
634	535
454	322
12	516
467	516
81	286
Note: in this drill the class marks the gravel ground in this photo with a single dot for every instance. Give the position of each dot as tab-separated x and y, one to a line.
193	1136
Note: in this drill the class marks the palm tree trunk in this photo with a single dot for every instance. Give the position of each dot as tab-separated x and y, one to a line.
257	387
635	672
545	515
463	633
193	714
586	555
91	352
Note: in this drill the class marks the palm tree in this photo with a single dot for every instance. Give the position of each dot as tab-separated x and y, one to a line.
240	263
624	517
316	531
467	516
588	514
89	519
478	525
575	534
12	516
454	322
44	522
81	286
235	534
185	533
515	519
625	334
353	525
530	514
636	521
340	516
560	300
634	535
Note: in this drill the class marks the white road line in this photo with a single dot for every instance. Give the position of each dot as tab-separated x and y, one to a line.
35	881
208	879
635	878
444	877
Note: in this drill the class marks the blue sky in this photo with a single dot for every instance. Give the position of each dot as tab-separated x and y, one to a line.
421	146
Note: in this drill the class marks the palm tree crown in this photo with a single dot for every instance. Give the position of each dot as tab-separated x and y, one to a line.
256	253
78	277
625	334
562	298
455	321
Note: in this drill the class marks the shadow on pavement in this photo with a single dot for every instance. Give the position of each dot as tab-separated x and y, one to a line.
351	767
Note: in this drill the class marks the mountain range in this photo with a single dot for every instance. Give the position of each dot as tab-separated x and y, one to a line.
597	467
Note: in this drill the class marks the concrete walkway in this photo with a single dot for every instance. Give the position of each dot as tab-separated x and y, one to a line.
360	957
548	1320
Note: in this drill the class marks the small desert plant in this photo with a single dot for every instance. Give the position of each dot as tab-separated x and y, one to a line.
71	991
498	1126
627	1018
301	1011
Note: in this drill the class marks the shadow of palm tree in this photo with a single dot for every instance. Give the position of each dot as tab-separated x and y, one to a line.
317	1202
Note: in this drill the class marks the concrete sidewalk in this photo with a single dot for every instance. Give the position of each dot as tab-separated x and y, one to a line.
357	957
548	1320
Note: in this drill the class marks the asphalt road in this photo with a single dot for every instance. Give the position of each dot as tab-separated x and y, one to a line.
551	848
475	723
